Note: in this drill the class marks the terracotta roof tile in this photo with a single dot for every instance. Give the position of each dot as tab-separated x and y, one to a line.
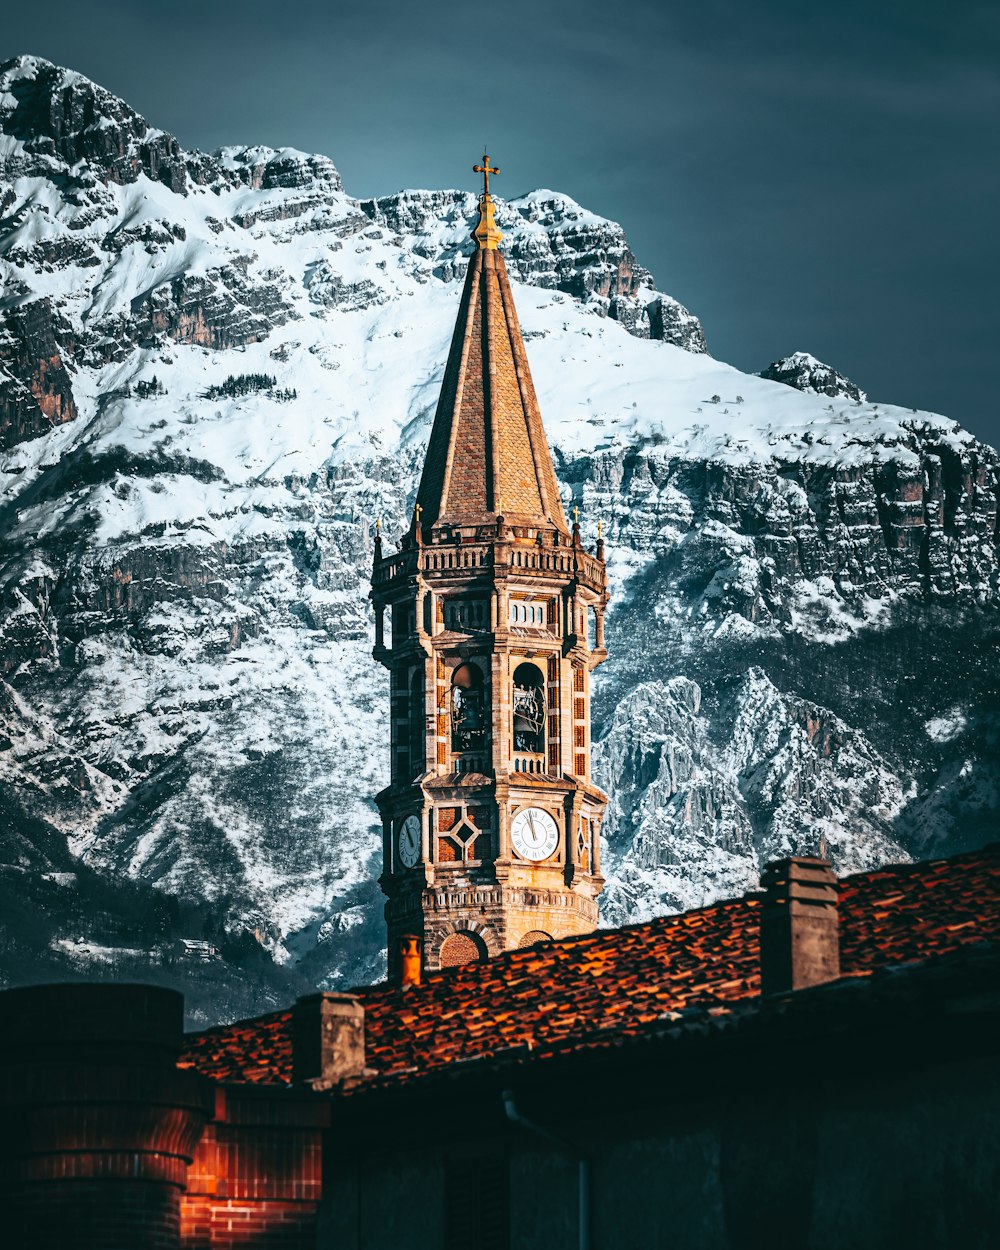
623	981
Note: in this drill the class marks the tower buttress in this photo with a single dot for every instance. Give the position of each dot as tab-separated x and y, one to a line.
491	822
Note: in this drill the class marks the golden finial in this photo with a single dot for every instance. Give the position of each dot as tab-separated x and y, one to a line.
486	233
600	530
417	511
576	515
378	526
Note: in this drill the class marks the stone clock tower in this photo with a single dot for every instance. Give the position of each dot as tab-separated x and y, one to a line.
496	621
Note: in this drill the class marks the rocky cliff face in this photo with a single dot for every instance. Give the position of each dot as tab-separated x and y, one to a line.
217	371
551	242
36	392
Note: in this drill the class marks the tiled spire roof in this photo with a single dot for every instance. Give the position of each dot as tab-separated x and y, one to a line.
488	455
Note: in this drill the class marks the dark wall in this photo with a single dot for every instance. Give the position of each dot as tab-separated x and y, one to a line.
843	1144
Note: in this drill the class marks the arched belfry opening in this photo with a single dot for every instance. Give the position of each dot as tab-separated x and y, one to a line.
468	709
497	606
528	706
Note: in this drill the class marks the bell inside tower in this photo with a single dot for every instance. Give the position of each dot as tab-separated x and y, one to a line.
468	712
529	712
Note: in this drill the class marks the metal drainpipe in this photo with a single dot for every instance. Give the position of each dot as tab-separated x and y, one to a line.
582	1164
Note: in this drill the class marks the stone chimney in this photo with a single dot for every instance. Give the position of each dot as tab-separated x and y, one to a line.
410	959
328	1039
799	931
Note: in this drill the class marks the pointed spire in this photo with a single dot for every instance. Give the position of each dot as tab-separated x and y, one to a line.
488	455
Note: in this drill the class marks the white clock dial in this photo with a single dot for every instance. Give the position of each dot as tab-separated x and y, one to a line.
534	833
409	841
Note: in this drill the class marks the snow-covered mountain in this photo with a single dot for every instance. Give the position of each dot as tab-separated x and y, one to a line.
217	371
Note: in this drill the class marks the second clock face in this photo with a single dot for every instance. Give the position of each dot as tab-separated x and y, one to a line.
534	833
409	841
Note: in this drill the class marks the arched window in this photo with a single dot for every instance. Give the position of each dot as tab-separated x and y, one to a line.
529	709
462	948
468	713
533	937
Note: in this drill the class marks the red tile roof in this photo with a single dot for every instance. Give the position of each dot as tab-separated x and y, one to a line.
623	981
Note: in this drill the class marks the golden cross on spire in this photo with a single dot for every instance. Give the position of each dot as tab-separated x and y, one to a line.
486	169
576	515
486	234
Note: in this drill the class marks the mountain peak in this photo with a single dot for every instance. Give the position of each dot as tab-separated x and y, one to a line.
58	117
803	371
28	66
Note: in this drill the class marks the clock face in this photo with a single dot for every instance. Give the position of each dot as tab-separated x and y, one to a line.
409	841
534	833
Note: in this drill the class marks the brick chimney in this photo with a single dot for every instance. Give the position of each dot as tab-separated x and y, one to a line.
799	931
99	1124
328	1039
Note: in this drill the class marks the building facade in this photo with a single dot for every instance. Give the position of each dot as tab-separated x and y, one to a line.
495	622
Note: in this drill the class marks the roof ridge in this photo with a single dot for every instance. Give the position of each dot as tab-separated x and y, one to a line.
905	868
750	900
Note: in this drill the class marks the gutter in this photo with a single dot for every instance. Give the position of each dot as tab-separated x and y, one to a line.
582	1164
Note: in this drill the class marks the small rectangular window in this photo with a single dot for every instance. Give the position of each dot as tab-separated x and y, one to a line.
526	613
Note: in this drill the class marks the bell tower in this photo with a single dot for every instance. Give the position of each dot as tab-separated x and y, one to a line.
496	621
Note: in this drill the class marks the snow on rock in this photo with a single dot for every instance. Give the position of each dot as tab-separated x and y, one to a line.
806	373
551	242
699	803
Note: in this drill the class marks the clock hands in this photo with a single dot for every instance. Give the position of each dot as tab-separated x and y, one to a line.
536	837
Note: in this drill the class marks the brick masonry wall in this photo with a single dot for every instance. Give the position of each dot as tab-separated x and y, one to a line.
231	1224
256	1176
99	1122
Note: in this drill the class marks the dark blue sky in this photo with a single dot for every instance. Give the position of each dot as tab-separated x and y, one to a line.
802	176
